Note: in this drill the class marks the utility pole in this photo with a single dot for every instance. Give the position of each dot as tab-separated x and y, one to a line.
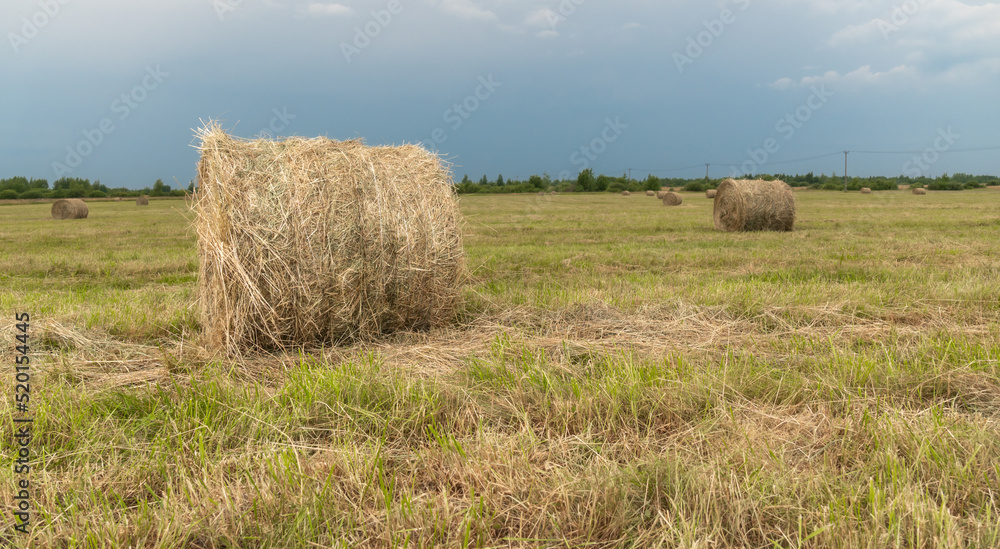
845	170
630	175
706	172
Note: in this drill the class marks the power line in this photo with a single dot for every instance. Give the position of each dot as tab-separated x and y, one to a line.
978	149
817	157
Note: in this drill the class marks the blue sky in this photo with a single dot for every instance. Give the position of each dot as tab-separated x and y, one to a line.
112	89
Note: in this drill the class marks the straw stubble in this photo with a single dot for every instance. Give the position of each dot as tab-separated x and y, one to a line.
309	241
754	205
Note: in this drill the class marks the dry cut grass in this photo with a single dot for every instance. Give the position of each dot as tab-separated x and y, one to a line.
650	383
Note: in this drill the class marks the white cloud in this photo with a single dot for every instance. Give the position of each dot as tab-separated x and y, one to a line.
862	76
931	39
831	6
467	9
541	18
328	9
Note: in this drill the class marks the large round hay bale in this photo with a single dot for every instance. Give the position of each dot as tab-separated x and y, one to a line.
919	191
69	208
142	201
710	193
625	193
754	205
310	241
672	199
650	193
659	194
866	190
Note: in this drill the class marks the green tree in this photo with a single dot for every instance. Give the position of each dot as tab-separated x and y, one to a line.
500	180
585	181
159	188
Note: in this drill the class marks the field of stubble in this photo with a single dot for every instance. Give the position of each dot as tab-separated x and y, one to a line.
620	375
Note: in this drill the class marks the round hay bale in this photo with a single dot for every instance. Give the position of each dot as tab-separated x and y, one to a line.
754	205
69	208
866	190
625	193
313	241
710	193
142	201
553	193
672	199
541	194
919	191
650	193
660	194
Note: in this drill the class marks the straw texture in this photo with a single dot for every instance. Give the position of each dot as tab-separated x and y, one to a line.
309	241
69	208
672	199
754	205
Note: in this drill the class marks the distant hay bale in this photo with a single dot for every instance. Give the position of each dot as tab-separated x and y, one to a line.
118	199
710	193
142	201
866	190
553	193
625	193
660	194
312	241
650	193
754	205
672	199
69	208
919	191
541	194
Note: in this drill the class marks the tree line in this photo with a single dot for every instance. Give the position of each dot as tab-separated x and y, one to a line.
586	181
75	187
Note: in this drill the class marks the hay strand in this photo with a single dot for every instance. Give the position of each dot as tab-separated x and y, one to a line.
69	208
754	205
672	199
309	241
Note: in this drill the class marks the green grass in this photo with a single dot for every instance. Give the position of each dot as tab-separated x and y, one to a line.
620	375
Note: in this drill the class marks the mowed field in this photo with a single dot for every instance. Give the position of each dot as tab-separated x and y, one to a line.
620	375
